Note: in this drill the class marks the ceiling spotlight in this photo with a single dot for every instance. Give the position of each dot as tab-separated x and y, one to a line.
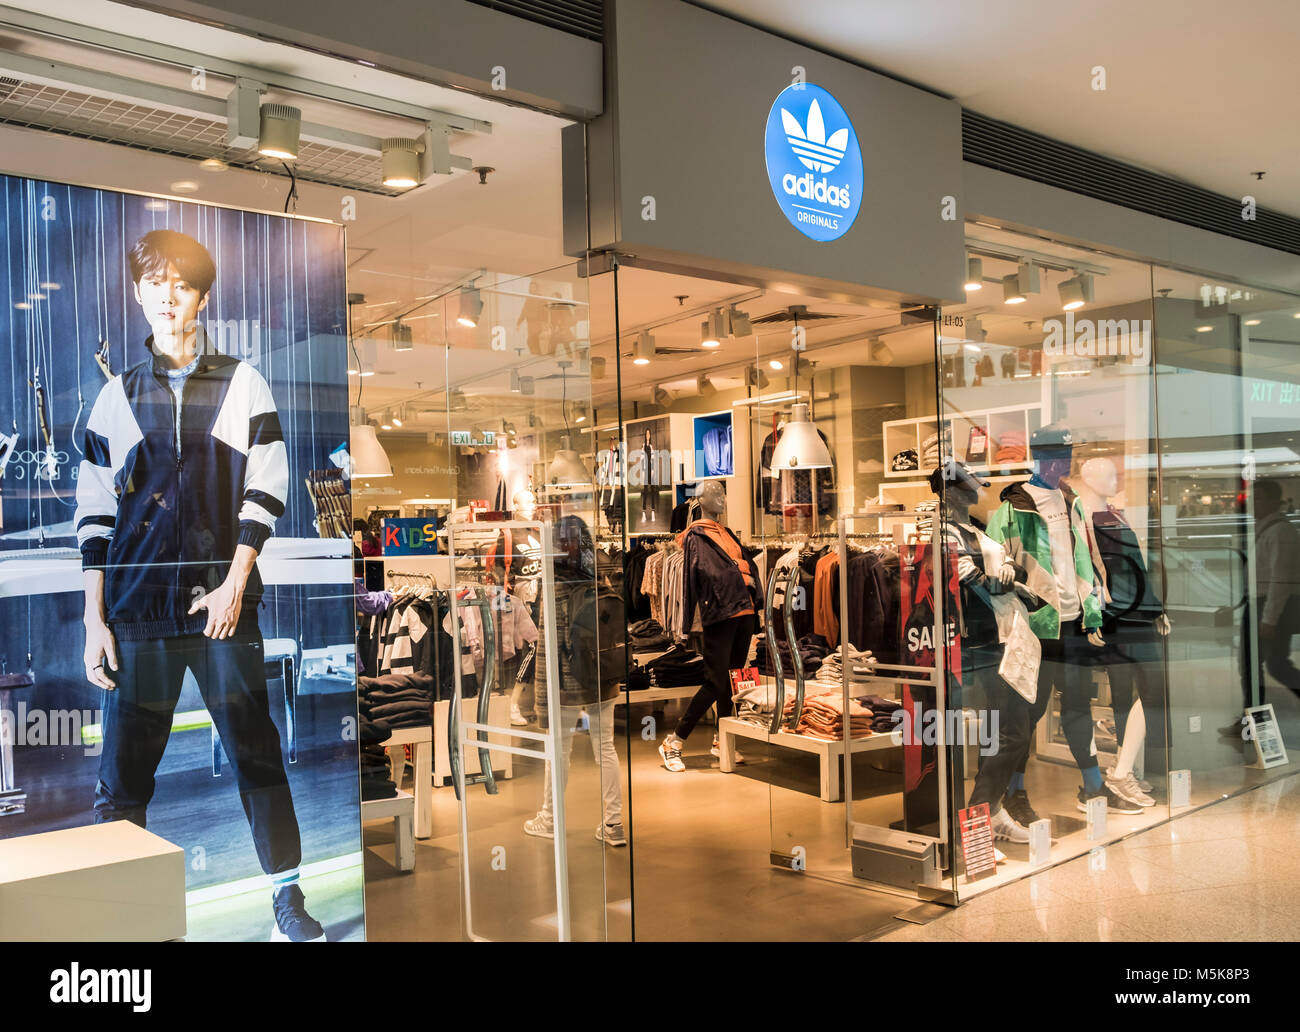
277	132
1252	322
401	162
705	386
740	323
402	337
755	377
1011	292
471	307
515	379
1075	292
710	331
974	274
661	396
387	422
644	349
775	363
879	351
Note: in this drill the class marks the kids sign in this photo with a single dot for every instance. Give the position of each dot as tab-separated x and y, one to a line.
814	163
414	536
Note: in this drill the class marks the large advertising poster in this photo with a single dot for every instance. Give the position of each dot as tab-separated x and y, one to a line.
175	616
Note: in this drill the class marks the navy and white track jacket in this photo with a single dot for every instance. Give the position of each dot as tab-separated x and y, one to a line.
162	522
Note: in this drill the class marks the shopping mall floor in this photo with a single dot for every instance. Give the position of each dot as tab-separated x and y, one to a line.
701	845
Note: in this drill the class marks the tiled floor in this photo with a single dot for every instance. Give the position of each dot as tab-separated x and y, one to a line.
1229	873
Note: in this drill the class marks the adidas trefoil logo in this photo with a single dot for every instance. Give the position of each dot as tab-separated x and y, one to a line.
810	144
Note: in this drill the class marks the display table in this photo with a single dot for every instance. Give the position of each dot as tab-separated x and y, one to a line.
111	882
829	753
402	809
420	739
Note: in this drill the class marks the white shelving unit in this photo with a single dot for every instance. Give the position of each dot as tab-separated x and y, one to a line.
903	434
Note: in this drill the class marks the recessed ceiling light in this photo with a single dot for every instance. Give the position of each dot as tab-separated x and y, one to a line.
776	363
184	186
1252	322
1204	329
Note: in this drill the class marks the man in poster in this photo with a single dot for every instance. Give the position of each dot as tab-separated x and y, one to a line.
185	473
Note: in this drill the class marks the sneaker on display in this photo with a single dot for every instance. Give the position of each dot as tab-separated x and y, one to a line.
1017	806
517	718
716	751
1004	827
611	834
292	922
1128	789
1143	783
541	826
1113	802
670	750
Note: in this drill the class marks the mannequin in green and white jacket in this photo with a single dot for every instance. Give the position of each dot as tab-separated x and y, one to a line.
1044	529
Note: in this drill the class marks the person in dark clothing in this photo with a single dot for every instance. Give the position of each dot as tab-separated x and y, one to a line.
186	435
721	582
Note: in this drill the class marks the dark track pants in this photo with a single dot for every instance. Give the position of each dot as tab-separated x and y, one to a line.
138	719
726	645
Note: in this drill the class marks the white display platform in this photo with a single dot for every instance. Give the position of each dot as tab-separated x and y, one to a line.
110	882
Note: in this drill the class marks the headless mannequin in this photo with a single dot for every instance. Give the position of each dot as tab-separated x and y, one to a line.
1099	483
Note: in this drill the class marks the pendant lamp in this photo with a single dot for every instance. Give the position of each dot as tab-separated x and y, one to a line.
566	469
800	446
368	456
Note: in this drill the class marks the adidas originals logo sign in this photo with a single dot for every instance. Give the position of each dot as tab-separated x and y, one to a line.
816	175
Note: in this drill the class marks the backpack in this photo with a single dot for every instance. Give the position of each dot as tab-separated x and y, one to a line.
598	638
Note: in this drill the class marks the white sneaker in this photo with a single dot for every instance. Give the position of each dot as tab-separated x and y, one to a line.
1128	790
611	835
1004	827
517	718
541	826
1143	783
670	749
716	751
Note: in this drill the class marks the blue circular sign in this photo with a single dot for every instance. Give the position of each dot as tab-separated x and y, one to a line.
813	162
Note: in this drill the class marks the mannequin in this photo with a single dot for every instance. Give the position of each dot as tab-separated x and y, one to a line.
722	588
1134	623
983	570
1042	525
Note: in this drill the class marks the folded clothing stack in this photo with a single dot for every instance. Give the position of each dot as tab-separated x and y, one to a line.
756	703
905	460
1011	448
933	450
399	700
830	670
925	521
647	636
822	717
882	712
677	668
376	782
812	650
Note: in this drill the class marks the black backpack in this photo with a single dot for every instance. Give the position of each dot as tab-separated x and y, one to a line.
598	638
